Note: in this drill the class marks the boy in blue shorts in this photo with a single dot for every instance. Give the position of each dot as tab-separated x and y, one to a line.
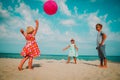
101	37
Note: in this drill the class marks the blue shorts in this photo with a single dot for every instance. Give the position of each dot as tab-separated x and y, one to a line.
101	52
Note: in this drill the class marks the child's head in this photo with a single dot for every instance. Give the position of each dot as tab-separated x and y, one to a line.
30	30
72	41
98	27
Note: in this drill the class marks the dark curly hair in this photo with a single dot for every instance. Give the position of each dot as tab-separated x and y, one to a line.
99	25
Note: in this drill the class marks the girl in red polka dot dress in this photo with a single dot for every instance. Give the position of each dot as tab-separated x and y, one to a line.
31	48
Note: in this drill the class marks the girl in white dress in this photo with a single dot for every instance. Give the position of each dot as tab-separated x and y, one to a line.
73	52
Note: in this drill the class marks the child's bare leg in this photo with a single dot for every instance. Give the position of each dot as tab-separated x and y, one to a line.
75	60
68	60
30	62
105	63
22	62
101	63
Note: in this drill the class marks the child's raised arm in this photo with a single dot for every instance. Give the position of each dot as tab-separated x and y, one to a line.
66	48
22	31
36	28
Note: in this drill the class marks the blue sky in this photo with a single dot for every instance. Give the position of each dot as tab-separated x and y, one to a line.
74	19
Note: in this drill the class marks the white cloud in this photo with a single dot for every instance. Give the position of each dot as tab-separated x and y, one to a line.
114	36
75	9
82	16
45	28
93	19
8	34
63	7
25	12
68	22
2	30
104	17
4	13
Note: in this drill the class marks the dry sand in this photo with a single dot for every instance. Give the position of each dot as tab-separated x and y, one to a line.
58	70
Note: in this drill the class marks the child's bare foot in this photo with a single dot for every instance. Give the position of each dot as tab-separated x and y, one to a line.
31	68
75	62
20	69
67	62
104	66
100	66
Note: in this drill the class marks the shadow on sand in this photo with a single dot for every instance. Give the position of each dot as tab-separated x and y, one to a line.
34	66
91	64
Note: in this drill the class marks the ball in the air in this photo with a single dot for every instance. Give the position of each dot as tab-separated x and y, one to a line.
50	7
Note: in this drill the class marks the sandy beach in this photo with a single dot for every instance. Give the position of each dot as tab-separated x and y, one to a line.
58	70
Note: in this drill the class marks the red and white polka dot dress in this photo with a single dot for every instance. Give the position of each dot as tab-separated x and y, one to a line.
31	48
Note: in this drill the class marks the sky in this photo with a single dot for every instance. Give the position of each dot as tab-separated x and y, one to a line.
74	19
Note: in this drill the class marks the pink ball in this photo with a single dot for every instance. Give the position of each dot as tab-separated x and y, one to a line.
50	7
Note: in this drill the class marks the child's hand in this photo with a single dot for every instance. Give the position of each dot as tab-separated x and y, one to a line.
37	22
21	30
63	50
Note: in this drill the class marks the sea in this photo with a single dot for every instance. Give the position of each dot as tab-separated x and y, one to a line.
60	57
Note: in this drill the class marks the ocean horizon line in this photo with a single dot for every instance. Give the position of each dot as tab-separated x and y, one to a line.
60	54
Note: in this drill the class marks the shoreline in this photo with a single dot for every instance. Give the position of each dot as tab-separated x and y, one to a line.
64	59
